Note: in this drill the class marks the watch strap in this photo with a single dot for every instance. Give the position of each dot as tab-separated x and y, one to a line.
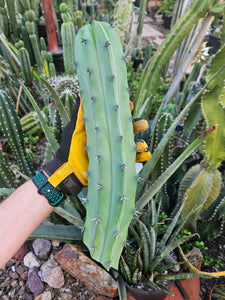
53	195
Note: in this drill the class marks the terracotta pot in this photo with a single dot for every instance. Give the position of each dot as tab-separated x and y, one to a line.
211	292
190	287
150	4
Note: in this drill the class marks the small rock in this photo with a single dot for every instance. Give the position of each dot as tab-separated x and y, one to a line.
27	296
44	296
55	243
21	269
24	276
34	282
21	252
51	273
41	248
13	275
30	260
87	271
21	283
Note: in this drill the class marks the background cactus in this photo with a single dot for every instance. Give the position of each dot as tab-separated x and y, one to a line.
27	9
111	175
68	36
154	69
12	130
25	63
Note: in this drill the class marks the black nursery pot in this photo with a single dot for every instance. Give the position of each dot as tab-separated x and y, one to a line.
89	10
167	21
146	295
213	42
154	10
41	28
58	62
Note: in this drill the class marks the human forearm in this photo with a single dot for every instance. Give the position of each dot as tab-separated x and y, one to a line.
20	215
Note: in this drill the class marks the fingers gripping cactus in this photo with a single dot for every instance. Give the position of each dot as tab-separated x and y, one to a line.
110	142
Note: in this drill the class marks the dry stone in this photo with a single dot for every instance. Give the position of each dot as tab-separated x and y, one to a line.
51	273
95	278
30	260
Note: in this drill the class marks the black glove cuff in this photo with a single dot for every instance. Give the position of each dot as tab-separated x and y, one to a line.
71	185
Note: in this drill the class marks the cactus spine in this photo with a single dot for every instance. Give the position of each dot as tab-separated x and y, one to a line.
11	127
111	175
153	70
68	36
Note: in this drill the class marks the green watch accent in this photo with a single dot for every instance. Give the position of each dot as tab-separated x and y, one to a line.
45	188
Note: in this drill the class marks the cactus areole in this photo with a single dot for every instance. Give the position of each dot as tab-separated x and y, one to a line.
111	149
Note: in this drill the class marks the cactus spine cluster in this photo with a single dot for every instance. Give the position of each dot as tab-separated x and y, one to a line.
68	36
110	143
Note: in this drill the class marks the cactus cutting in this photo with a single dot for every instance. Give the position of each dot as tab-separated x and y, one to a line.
110	141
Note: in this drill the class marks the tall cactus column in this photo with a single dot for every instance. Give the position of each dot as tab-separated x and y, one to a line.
110	142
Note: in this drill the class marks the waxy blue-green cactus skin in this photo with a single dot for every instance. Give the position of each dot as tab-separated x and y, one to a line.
110	142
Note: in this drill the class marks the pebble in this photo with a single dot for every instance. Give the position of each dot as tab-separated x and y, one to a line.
55	243
13	275
21	269
44	296
41	248
34	282
30	260
23	250
51	273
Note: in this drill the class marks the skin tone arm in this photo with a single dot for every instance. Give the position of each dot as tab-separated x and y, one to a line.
20	214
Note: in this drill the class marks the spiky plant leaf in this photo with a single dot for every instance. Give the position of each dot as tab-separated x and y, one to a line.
196	195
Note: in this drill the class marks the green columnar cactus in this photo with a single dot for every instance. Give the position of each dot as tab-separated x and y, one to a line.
110	143
141	15
25	63
148	53
12	17
121	23
11	127
4	19
154	69
163	124
30	124
7	178
27	9
68	36
79	20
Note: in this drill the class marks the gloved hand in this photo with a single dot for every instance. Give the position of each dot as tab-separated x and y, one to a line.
68	170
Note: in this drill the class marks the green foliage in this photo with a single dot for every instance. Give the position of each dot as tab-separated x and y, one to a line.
167	7
148	254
